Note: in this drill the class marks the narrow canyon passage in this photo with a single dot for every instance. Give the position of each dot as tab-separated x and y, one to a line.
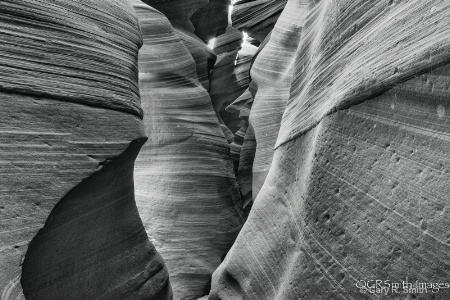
224	150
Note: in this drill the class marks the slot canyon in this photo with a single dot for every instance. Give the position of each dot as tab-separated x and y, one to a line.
224	150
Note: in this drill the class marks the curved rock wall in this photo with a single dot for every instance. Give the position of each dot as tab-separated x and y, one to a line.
211	20
70	130
185	185
204	57
206	19
257	17
335	146
358	186
361	196
379	46
271	74
68	42
230	76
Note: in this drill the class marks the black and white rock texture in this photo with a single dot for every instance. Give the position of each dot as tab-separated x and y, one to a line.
186	188
70	130
358	185
296	163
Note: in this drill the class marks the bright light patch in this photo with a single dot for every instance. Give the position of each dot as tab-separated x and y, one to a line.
212	43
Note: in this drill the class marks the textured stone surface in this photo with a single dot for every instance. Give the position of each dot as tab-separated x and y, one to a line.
396	45
206	19
363	195
185	185
243	147
257	17
204	57
211	20
224	80
272	74
69	133
245	169
230	78
179	12
337	140
358	188
84	43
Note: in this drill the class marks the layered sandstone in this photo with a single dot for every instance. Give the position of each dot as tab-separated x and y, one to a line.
206	19
257	17
185	184
243	147
272	74
332	138
230	77
358	185
70	129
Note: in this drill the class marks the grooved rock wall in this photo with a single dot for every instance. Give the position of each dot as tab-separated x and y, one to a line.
272	74
240	107
80	46
224	82
186	190
230	78
243	147
337	45
70	130
359	183
206	19
203	56
179	12
257	17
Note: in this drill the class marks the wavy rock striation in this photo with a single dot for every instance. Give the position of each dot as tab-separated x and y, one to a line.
257	17
179	12
243	147
271	75
70	130
206	19
333	79
185	185
359	181
230	78
196	22
224	80
204	57
81	46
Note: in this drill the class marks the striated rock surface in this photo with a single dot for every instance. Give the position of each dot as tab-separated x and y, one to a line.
272	74
70	130
179	12
257	17
224	81
245	169
337	79
211	20
206	19
243	147
185	185
230	78
358	188
204	57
